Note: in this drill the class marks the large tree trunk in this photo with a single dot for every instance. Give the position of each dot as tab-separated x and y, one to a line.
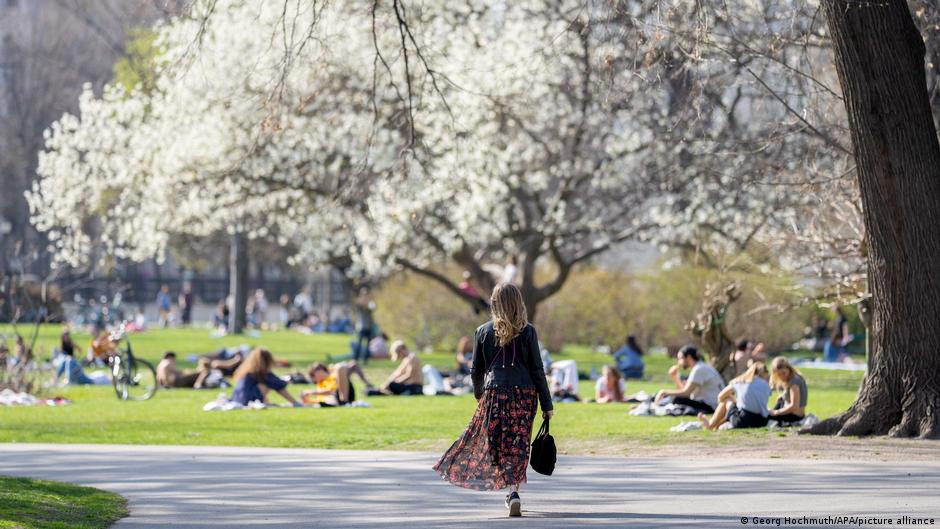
238	281
879	55
531	304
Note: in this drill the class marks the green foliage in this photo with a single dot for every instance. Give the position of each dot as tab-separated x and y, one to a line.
766	310
138	67
37	504
423	313
601	307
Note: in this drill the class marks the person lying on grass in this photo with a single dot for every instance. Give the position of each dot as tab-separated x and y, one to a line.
700	390
228	359
171	376
71	370
254	379
334	387
407	379
744	402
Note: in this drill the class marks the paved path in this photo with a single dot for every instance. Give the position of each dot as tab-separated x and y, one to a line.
212	488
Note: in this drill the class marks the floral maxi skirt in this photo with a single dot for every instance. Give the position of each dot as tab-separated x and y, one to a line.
493	452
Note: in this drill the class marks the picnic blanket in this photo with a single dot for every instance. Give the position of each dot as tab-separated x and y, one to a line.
687	426
8	397
222	403
840	366
648	408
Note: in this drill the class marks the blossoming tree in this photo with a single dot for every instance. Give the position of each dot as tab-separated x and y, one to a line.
415	138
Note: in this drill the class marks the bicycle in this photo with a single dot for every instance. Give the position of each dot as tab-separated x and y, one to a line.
133	378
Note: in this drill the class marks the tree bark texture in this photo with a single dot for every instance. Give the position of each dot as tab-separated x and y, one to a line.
880	60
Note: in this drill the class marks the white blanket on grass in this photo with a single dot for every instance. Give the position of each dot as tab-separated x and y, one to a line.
222	403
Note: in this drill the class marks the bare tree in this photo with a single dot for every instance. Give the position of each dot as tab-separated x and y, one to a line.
48	50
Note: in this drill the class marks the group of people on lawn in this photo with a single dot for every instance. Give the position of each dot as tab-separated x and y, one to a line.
252	373
743	401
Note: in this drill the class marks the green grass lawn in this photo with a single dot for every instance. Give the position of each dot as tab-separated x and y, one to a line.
36	504
407	423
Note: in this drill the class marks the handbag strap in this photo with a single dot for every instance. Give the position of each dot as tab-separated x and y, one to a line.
543	430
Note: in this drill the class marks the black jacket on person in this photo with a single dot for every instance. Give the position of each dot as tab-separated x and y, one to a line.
523	370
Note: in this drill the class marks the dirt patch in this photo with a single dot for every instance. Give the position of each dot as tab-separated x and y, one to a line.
753	445
774	445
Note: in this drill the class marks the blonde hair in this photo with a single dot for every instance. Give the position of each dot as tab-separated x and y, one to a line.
258	365
509	313
778	363
757	369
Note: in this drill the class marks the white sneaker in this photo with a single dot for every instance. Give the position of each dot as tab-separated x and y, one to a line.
514	504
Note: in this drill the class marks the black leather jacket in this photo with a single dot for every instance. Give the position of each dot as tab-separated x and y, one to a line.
519	363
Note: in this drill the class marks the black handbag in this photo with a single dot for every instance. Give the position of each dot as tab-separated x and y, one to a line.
543	451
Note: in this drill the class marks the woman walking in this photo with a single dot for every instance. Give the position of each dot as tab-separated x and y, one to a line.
509	385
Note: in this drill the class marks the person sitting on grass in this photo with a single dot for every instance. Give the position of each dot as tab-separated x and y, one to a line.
791	405
407	379
70	368
66	344
101	349
464	355
170	376
610	386
700	390
563	381
745	354
334	386
744	402
220	316
834	350
254	379
378	347
629	358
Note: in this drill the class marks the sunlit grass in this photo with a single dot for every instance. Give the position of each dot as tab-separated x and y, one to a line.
409	423
37	504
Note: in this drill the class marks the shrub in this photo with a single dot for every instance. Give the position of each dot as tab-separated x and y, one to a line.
598	306
423	313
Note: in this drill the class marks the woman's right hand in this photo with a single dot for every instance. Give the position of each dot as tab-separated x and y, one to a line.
548	414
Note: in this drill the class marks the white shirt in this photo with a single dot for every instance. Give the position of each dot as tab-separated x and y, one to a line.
709	384
602	391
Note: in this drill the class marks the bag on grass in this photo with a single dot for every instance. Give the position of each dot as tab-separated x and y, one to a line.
543	451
